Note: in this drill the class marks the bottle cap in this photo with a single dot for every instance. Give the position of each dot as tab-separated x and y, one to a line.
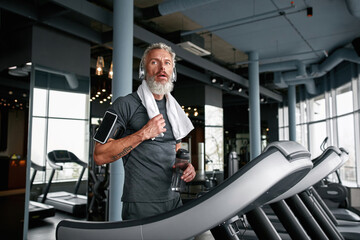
182	154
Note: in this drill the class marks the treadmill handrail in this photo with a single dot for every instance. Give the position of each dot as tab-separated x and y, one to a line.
53	164
73	158
328	162
38	167
325	152
289	149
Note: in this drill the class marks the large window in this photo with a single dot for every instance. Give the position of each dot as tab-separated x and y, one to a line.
317	132
345	130
214	138
331	115
60	121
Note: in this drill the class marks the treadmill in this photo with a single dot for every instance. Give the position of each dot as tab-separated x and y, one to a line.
72	203
331	160
269	175
37	210
292	215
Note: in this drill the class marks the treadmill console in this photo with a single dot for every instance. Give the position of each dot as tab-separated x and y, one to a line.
61	155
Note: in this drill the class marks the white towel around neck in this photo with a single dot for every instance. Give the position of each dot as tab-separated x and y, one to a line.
180	123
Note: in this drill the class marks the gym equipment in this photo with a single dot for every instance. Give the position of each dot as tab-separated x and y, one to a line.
295	217
38	210
232	163
330	160
98	184
335	196
309	201
68	202
259	181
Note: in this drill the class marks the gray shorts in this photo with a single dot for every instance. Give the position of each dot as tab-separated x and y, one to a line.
138	210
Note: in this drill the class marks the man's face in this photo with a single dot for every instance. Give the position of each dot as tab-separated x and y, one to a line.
159	65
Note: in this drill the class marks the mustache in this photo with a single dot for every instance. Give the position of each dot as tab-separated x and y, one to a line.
162	73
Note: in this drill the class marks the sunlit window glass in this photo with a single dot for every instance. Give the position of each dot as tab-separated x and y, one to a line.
346	140
344	102
317	136
317	108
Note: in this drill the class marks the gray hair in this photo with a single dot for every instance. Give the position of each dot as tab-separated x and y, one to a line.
158	46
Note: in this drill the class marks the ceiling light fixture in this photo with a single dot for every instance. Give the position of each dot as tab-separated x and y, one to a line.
99	65
111	73
232	86
221	83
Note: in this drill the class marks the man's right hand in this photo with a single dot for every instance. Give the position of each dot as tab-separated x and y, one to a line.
154	127
115	149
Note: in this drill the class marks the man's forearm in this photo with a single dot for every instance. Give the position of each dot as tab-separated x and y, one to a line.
122	153
116	149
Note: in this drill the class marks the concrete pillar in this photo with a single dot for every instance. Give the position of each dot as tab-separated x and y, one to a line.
292	112
254	105
121	85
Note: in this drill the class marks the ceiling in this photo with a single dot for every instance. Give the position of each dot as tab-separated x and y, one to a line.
281	32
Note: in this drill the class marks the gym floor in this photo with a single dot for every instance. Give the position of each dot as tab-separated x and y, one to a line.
45	229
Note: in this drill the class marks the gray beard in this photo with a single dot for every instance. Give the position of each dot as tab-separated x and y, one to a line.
159	88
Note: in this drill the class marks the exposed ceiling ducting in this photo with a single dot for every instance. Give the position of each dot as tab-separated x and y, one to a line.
284	77
354	7
169	7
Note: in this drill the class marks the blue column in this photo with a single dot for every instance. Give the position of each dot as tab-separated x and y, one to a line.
292	112
123	25
254	105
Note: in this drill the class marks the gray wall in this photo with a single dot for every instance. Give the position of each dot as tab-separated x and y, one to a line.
60	51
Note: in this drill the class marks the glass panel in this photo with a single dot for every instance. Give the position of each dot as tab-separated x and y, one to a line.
286	133
214	138
318	108
305	139
281	117
71	135
68	105
40	102
344	101
61	123
281	133
317	136
298	113
286	116
330	106
299	134
305	112
38	149
347	141
214	148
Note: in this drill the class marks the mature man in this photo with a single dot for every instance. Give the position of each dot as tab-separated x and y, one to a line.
150	125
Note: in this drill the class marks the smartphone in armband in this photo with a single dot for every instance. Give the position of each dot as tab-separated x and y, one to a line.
106	127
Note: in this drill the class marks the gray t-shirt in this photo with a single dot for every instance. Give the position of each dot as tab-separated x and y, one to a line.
148	167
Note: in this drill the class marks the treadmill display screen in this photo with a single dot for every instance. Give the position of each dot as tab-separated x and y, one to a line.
61	155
